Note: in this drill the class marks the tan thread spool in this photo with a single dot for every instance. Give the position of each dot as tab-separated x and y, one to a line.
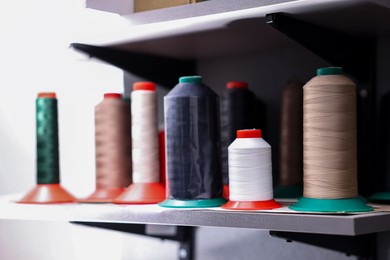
113	142
291	135
329	123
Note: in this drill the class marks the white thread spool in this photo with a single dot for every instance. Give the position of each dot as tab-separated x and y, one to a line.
144	131
250	167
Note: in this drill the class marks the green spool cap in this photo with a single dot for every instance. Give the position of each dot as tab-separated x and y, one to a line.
48	170
357	204
191	79
329	71
200	203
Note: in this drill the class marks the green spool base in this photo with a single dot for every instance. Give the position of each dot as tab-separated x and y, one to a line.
331	205
383	197
288	192
201	203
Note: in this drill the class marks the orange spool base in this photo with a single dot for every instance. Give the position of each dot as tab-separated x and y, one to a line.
102	195
142	193
47	194
251	205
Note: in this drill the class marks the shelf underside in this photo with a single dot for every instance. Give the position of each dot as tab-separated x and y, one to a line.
235	33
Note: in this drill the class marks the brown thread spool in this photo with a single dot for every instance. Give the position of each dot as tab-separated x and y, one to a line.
330	153
291	135
113	148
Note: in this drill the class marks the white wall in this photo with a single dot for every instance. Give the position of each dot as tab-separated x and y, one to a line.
34	57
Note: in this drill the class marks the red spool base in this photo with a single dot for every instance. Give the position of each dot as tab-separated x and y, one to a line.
103	195
225	191
47	194
251	205
142	193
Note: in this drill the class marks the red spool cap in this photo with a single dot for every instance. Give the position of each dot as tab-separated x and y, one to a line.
249	133
236	84
47	95
144	86
112	95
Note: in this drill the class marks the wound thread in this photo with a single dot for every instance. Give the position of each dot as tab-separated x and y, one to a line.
193	146
291	135
48	168
250	169
113	142
330	153
144	133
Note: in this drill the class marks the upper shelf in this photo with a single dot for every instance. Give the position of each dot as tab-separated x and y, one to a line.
154	214
172	40
228	27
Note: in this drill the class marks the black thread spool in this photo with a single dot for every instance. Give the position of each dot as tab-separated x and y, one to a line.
237	112
193	147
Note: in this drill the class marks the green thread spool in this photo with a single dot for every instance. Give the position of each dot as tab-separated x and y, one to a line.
48	189
48	170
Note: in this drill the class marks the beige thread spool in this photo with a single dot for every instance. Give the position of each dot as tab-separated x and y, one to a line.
112	148
329	123
113	142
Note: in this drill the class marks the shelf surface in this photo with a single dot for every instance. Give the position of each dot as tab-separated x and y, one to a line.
153	214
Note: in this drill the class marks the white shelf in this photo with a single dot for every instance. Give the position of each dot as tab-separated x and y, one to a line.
153	214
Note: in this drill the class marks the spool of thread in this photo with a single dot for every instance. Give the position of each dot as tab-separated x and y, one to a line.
290	183
48	189
250	173
112	148
237	112
193	146
330	153
146	187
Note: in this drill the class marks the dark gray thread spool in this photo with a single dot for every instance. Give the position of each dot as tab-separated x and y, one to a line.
193	149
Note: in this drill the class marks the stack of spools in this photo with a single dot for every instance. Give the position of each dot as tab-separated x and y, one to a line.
250	173
193	148
48	188
113	148
146	187
237	112
330	150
